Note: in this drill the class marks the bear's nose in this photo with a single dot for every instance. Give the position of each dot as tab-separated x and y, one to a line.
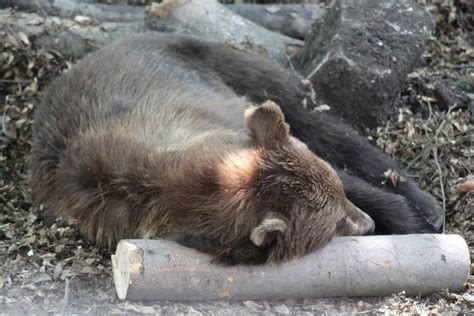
369	226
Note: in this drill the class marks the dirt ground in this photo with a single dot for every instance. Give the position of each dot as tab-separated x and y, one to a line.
53	269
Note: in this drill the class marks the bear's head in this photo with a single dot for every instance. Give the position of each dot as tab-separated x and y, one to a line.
300	199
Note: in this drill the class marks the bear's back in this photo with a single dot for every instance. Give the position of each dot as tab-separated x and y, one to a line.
140	87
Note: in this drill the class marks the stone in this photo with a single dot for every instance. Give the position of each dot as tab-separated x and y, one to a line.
359	54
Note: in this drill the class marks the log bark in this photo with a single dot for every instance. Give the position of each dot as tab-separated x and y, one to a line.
292	20
209	20
348	266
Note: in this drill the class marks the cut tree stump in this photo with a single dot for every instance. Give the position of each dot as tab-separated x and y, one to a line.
348	266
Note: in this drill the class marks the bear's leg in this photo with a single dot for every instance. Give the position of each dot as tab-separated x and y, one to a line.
392	213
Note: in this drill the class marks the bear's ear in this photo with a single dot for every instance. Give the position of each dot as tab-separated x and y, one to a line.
270	223
267	125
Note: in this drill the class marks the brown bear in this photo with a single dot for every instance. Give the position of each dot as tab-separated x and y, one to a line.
130	145
147	138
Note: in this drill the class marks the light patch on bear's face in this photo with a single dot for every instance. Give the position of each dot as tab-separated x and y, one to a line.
238	169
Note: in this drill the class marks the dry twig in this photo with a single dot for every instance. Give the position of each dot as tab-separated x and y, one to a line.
66	297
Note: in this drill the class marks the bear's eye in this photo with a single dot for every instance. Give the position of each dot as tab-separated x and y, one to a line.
341	223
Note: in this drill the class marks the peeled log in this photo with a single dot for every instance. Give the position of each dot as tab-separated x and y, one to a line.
348	266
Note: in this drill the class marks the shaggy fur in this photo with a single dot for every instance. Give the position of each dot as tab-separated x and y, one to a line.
147	138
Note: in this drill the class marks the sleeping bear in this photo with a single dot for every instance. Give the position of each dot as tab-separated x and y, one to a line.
165	136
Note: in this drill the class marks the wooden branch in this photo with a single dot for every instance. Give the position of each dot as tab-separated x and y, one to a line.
348	266
293	20
209	20
205	19
72	8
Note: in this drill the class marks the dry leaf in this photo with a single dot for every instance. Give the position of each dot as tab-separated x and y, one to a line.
84	20
24	38
394	177
466	186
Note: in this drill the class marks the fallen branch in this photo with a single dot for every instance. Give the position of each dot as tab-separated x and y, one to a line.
65	298
293	20
205	19
441	185
209	20
72	8
348	266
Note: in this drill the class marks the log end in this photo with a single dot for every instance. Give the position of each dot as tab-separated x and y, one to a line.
127	261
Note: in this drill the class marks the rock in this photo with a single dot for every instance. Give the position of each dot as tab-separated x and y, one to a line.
359	55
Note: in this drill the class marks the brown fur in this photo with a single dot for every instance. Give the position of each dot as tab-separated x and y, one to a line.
132	144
